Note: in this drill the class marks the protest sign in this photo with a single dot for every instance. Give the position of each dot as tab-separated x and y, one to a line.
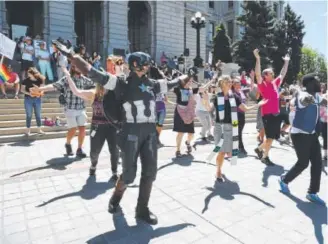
7	46
227	69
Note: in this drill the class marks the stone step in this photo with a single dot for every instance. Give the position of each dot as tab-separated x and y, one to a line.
61	131
11	117
52	133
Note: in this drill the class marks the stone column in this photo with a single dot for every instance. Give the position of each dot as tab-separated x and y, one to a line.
4	28
74	36
46	22
104	31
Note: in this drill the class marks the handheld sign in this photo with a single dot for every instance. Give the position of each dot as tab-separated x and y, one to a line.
227	69
7	46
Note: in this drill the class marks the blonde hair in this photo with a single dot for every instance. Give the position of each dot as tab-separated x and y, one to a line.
222	79
99	91
116	59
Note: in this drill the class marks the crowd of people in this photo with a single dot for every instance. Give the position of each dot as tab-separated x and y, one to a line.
129	109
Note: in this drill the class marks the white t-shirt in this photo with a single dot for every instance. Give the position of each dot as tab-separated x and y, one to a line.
26	56
199	103
43	54
318	100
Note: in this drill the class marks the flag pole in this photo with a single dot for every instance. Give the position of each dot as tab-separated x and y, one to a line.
2	58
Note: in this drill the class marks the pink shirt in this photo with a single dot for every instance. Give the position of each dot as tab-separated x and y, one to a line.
269	90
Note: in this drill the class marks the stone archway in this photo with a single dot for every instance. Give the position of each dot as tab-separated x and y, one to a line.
24	18
139	26
88	25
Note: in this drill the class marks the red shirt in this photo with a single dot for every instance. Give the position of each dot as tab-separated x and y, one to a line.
243	80
13	77
269	91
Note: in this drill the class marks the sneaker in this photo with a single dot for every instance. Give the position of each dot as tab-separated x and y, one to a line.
283	186
69	151
210	137
80	153
267	161
219	179
259	153
143	213
315	198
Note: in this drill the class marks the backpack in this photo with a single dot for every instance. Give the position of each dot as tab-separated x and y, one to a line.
113	106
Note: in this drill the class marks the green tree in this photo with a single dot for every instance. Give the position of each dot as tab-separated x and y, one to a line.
222	46
313	62
258	21
288	34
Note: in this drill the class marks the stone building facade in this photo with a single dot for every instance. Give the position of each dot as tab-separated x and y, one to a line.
122	26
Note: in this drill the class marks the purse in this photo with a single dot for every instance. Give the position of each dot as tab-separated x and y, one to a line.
187	113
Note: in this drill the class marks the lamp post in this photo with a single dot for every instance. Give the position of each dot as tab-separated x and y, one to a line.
198	22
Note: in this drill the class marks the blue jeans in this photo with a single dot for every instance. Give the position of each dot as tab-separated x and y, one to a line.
30	103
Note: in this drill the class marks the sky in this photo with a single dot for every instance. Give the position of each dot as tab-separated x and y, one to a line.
314	15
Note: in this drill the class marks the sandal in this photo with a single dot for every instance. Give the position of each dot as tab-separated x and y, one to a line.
189	148
178	154
16	97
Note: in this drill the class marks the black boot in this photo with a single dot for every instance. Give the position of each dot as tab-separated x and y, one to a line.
114	201
142	210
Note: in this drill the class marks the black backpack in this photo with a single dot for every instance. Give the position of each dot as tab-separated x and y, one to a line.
113	107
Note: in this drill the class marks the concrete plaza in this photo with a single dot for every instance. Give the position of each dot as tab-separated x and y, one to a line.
47	198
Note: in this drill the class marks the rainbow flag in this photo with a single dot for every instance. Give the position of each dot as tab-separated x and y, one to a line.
4	74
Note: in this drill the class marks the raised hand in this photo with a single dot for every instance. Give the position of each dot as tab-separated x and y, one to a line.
286	58
256	53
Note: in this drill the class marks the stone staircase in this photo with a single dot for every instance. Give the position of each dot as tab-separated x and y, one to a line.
12	118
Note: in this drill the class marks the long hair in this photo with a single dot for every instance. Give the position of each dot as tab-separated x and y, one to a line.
100	91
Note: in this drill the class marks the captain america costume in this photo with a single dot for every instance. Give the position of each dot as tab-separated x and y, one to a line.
137	136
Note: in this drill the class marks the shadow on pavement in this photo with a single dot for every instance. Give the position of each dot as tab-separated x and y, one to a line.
141	233
317	214
25	143
276	170
54	163
185	160
227	190
90	190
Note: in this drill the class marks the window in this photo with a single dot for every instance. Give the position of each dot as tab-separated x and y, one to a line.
230	29
211	4
210	33
230	4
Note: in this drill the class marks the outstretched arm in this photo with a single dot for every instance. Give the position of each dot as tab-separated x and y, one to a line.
84	94
107	80
284	69
258	66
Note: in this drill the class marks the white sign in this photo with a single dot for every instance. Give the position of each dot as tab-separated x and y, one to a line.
230	67
210	58
7	46
37	46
